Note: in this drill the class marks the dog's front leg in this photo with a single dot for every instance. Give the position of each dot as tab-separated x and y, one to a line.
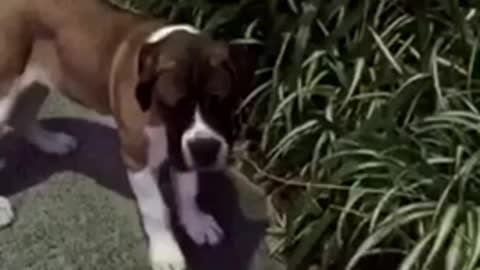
6	212
165	253
200	226
164	250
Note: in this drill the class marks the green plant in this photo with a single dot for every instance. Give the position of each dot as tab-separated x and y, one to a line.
365	124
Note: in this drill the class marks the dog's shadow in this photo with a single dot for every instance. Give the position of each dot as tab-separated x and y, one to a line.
98	158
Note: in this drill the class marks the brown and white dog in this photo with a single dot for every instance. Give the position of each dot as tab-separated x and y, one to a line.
171	91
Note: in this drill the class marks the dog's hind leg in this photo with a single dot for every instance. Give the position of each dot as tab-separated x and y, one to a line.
24	121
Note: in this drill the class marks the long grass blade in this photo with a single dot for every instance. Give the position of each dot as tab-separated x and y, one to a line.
413	257
445	227
386	51
381	233
475	257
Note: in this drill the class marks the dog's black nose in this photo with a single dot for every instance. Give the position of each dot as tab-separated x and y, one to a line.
204	151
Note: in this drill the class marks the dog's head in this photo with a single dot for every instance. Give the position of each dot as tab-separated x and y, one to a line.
194	84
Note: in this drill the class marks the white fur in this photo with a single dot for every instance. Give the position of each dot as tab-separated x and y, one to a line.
35	73
164	250
6	106
105	120
201	227
157	146
6	212
200	129
165	31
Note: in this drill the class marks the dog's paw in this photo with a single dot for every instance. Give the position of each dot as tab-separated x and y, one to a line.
201	227
6	212
57	143
165	254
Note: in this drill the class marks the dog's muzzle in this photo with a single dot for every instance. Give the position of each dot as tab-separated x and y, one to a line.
205	152
203	147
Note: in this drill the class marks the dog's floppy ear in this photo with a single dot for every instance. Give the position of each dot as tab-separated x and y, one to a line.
150	63
130	68
243	59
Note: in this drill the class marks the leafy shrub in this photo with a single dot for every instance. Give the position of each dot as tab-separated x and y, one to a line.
364	127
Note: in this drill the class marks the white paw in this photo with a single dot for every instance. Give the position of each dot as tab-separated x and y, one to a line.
201	227
54	142
6	212
165	254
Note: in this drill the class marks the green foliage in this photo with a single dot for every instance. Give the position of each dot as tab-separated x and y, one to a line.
365	126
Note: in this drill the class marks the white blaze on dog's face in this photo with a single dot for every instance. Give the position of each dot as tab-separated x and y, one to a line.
194	84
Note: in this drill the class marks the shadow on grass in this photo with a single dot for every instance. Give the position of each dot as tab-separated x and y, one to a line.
98	158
